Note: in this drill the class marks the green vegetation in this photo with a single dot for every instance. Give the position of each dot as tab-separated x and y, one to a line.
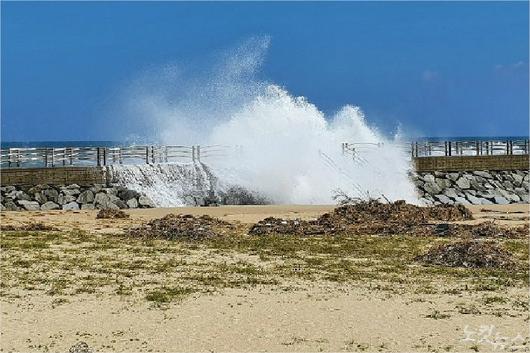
63	264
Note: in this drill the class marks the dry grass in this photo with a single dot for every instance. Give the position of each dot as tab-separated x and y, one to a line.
65	264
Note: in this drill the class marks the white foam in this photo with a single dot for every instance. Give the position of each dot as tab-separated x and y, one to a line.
290	150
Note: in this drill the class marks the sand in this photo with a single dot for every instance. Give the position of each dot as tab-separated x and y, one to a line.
515	214
389	313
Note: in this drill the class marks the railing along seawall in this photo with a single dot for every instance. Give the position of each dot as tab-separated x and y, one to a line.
45	157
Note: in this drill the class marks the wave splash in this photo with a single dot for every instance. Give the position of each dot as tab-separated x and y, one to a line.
290	151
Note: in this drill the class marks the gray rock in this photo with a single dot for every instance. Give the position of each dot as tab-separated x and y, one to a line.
71	192
71	206
517	179
444	199
524	198
107	206
453	176
2	207
128	194
50	205
69	198
507	185
443	183
40	198
101	199
29	205
111	191
461	201
21	195
450	192
96	188
432	188
11	206
132	203
88	206
8	188
86	196
12	194
463	183
120	203
51	194
72	186
483	174
499	200
426	202
146	202
478	201
520	191
514	198
429	178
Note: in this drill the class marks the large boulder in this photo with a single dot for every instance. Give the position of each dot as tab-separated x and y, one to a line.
463	183
10	205
146	202
86	196
50	205
40	198
132	203
127	194
51	194
29	205
71	206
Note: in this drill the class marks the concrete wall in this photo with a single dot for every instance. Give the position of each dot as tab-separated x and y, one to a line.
54	176
471	163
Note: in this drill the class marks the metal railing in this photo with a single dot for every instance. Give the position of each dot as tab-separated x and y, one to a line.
468	148
103	156
420	149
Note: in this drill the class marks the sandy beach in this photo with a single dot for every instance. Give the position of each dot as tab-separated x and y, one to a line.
87	282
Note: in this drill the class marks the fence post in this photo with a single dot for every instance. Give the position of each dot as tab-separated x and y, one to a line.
449	148
193	153
104	156
45	157
147	154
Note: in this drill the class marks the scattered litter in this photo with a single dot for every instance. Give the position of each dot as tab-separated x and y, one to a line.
111	213
469	254
179	226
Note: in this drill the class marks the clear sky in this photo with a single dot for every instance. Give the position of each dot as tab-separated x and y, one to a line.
451	68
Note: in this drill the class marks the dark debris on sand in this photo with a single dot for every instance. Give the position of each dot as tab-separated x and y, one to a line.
32	226
110	213
469	253
368	217
179	226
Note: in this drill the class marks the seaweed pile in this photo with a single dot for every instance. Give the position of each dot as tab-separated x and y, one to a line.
110	213
368	217
32	226
181	226
470	254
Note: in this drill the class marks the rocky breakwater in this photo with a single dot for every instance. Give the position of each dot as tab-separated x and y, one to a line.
70	197
476	188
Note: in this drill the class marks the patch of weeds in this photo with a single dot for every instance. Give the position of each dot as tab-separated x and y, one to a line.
437	315
493	300
467	309
165	295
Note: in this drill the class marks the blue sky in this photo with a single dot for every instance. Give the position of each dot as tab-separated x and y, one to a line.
439	69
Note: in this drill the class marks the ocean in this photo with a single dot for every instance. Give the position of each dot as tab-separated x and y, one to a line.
59	144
